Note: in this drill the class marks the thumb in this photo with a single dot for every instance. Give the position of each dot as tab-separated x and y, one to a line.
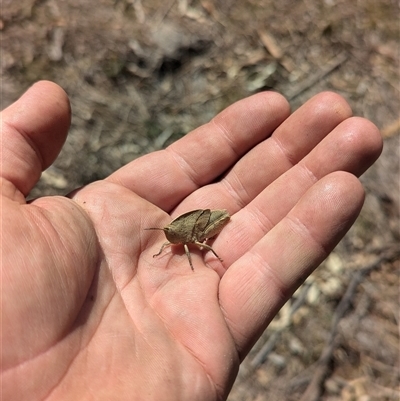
33	129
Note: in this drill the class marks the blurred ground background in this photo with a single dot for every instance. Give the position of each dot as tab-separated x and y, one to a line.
140	74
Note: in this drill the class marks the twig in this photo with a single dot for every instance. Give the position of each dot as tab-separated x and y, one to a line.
162	139
262	354
314	389
313	79
163	12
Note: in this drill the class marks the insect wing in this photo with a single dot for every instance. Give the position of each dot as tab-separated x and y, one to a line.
218	220
201	224
180	230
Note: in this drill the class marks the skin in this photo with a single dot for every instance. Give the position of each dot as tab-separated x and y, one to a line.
89	314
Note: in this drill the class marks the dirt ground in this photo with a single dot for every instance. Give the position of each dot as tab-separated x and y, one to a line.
142	74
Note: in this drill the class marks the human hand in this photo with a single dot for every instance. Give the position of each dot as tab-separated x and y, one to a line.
88	313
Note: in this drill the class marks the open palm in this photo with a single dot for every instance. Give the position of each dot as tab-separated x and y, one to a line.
88	313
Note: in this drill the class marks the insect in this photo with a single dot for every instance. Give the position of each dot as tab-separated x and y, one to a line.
194	227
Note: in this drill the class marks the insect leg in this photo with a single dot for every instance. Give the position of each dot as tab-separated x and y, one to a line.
188	255
203	245
162	248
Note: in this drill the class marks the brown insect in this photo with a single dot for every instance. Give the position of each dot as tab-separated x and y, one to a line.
194	227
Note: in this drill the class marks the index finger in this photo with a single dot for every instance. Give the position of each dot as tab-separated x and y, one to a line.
166	177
